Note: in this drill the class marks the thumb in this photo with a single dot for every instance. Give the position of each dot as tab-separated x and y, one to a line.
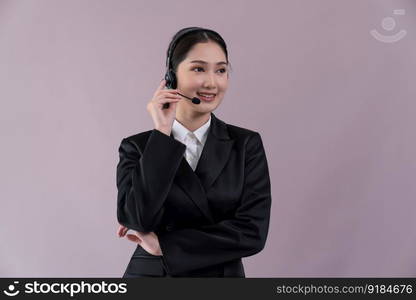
162	85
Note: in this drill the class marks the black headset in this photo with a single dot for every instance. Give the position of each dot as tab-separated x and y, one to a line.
170	76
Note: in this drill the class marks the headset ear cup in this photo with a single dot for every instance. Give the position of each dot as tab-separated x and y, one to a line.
174	83
170	79
170	76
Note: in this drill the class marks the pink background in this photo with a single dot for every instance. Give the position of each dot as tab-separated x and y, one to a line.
335	107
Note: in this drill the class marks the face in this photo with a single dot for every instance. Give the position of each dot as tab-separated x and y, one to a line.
203	71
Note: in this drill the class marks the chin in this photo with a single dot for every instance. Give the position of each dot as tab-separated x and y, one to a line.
206	107
204	110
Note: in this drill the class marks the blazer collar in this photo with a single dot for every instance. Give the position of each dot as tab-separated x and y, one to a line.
179	131
213	158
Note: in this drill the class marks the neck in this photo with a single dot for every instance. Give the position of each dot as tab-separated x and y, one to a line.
192	120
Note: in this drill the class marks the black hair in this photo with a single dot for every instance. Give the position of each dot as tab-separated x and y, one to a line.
188	40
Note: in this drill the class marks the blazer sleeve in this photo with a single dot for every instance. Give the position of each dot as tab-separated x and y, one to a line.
144	178
244	235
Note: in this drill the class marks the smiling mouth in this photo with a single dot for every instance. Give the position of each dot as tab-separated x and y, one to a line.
206	97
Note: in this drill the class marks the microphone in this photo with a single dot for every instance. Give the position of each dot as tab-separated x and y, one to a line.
194	100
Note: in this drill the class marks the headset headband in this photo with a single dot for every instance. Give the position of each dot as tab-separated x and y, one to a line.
176	40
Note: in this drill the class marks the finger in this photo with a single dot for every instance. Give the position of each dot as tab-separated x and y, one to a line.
134	238
161	85
120	230
123	231
167	100
168	93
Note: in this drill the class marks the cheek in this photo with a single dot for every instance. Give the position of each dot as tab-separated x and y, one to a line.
187	80
223	83
193	83
223	87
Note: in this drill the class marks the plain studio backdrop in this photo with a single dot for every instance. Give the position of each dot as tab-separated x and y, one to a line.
335	107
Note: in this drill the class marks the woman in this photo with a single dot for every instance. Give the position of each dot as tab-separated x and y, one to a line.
195	190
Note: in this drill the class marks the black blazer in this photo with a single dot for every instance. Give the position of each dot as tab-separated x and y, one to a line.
206	220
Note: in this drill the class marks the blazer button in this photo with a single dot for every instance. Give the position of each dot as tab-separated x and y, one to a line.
169	227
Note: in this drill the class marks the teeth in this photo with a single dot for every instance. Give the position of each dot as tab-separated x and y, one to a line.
205	95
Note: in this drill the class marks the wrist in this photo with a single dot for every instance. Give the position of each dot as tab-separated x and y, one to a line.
166	131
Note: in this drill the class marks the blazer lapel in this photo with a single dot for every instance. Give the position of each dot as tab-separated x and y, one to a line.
213	158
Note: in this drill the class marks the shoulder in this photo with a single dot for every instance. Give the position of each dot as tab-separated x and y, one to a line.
135	141
237	132
250	141
150	138
138	137
248	137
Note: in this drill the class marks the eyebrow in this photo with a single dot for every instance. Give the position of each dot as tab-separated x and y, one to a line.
204	62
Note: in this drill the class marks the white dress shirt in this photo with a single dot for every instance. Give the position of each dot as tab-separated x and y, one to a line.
194	141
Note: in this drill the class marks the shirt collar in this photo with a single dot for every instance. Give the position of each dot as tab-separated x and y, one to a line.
179	131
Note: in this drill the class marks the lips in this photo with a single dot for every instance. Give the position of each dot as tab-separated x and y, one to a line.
206	96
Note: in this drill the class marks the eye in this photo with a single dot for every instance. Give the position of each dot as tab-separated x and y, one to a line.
223	70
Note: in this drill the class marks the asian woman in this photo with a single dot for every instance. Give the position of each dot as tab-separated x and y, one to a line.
194	191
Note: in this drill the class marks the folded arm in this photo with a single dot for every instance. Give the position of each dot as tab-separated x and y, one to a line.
144	178
244	235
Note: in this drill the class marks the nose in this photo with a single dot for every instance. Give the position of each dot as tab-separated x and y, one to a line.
209	81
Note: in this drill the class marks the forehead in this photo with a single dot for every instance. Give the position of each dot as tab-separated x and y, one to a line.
210	52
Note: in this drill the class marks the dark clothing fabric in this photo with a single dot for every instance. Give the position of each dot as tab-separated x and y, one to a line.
206	220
